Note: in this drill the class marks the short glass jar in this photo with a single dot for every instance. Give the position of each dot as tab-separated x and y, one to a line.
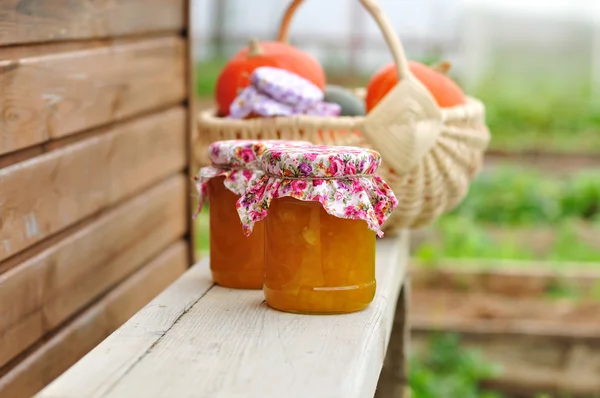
325	207
236	261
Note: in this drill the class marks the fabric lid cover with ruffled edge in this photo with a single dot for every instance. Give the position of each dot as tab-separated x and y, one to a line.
342	179
236	160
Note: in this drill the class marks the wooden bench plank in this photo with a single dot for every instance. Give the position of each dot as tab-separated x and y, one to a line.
195	340
40	21
90	328
131	342
45	290
52	91
43	195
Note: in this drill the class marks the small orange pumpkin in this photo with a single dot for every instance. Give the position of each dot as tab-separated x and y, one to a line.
443	89
235	76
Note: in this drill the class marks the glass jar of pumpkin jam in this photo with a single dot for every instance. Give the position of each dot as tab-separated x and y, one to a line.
316	262
325	207
236	261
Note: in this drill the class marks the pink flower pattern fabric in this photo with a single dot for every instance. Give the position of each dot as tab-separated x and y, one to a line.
238	161
342	179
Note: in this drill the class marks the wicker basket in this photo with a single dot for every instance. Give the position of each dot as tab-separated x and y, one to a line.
429	154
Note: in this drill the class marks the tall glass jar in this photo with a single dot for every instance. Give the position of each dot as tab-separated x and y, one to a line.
236	261
325	207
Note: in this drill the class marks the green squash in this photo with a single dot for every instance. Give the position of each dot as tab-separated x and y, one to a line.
351	104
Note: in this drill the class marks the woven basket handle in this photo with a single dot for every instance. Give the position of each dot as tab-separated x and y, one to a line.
380	18
406	123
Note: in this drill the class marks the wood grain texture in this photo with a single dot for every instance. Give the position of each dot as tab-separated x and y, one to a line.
45	194
45	290
228	343
131	342
57	90
26	21
91	327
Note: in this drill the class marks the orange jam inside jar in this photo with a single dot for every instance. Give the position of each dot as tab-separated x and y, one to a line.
325	208
236	261
316	262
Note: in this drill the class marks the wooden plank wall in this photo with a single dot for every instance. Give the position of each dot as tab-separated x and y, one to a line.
95	125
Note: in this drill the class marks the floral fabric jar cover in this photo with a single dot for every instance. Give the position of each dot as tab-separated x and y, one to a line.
277	92
342	179
238	161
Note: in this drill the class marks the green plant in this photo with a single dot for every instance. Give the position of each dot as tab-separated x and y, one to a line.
463	237
569	247
561	290
540	114
582	196
513	196
446	370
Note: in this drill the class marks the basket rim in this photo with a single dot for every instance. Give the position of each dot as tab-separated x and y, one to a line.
207	118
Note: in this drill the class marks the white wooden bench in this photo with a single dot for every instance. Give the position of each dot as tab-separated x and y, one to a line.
199	340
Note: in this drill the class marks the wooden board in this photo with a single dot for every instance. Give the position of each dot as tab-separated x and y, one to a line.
43	195
200	340
90	328
26	21
52	91
42	292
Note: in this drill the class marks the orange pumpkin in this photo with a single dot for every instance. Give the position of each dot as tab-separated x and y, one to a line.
235	76
443	89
